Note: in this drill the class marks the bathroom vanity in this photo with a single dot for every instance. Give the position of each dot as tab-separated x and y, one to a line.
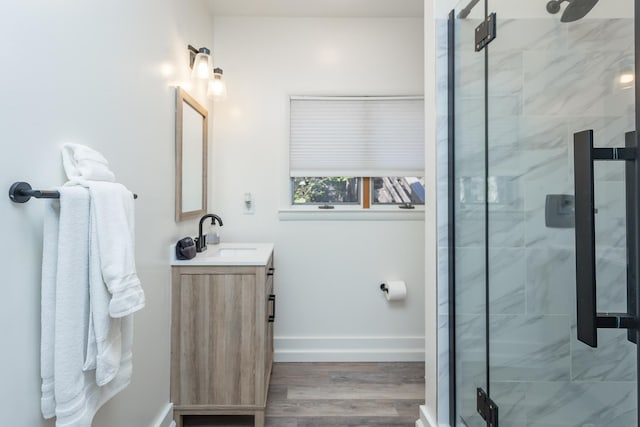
223	308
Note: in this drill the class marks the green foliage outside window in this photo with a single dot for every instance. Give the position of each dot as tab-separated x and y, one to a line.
330	190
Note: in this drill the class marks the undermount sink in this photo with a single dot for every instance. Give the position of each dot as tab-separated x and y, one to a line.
228	254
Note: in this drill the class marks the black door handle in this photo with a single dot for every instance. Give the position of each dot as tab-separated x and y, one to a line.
630	200
272	316
271	271
588	320
585	237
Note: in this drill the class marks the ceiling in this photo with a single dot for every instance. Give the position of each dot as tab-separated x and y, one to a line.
318	8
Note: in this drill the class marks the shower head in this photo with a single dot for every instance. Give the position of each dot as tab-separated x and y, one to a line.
575	10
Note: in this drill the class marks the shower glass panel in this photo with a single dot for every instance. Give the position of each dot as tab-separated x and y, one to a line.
470	239
548	79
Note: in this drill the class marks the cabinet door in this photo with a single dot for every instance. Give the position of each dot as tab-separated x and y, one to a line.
217	332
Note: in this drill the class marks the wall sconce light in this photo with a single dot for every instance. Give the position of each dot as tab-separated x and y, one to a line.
201	63
217	87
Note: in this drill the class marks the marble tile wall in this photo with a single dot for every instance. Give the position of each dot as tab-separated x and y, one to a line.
547	80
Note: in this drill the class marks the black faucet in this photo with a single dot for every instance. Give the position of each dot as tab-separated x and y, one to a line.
201	241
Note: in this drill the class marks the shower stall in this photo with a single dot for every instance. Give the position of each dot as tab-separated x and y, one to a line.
542	236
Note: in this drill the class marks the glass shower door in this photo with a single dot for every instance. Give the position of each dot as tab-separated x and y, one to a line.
547	80
470	220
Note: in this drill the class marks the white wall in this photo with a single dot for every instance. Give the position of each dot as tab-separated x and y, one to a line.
96	73
429	412
328	272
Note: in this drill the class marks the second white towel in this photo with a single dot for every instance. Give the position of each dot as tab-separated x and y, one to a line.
82	162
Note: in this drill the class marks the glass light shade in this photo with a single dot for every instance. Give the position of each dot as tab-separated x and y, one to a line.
217	88
201	66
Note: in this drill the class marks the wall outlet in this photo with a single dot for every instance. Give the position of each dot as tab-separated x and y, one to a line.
248	206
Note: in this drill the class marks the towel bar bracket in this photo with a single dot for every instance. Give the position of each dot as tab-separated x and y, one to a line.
16	192
21	192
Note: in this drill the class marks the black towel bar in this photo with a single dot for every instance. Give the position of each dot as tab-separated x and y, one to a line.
21	192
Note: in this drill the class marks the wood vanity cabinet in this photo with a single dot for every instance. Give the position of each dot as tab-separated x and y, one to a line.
221	340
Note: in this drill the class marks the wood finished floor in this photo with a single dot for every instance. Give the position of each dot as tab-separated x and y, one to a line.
338	395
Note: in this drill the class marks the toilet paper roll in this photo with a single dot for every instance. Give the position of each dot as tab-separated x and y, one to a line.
396	290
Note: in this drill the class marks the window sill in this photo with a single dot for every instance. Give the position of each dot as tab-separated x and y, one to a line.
307	214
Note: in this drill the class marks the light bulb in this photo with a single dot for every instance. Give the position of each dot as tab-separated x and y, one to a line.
202	70
217	87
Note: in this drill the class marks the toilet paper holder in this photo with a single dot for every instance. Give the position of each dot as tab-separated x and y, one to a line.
394	290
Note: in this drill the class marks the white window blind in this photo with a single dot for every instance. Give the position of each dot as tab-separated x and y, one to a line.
363	136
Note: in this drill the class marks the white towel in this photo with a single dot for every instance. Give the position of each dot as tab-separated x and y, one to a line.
48	303
71	304
77	397
114	285
104	343
113	213
82	162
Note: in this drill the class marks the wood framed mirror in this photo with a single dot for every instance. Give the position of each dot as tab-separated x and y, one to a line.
192	132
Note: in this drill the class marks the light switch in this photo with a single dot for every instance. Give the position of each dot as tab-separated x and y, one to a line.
248	207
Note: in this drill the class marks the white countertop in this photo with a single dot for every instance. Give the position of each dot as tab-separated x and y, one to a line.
227	254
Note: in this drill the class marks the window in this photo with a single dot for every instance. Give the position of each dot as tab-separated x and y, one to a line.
327	190
384	191
398	190
362	151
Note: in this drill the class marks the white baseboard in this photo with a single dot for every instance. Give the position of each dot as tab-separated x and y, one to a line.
165	417
349	349
426	420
